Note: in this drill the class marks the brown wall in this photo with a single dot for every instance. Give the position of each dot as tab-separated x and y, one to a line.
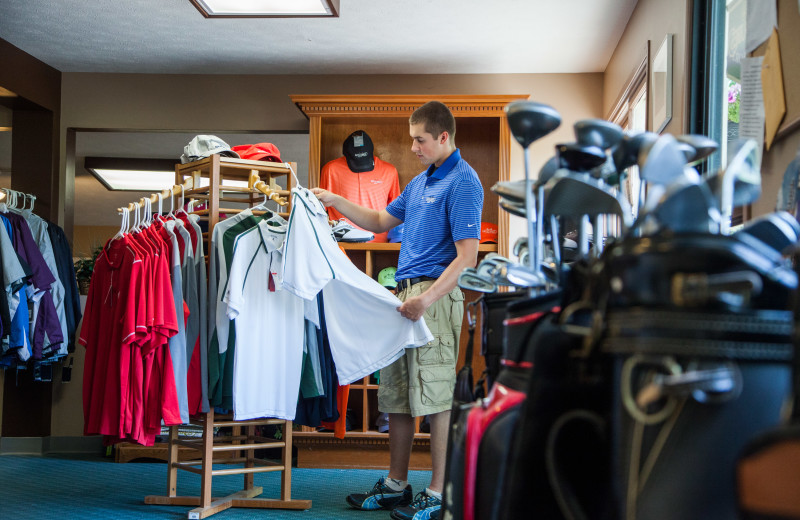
651	21
35	139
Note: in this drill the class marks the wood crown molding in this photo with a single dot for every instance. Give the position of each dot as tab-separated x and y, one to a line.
398	106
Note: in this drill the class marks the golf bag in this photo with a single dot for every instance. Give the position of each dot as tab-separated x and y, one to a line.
464	396
699	328
493	309
492	422
561	459
767	487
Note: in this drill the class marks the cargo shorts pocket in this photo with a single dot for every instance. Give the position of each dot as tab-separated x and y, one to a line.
437	385
440	351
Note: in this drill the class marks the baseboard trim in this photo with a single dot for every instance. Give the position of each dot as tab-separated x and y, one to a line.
48	445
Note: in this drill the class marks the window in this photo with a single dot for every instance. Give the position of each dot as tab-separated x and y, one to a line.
630	113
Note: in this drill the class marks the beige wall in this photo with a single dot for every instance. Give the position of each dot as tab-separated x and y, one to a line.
651	21
86	238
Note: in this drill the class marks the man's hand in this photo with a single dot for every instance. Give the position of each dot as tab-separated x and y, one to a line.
414	307
327	198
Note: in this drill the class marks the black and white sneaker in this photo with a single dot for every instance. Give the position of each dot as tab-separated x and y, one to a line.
343	231
380	497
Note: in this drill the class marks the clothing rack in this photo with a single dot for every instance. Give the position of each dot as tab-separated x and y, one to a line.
243	441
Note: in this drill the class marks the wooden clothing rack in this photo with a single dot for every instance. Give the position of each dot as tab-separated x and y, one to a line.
243	441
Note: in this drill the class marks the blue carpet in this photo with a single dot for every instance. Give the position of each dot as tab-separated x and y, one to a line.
65	487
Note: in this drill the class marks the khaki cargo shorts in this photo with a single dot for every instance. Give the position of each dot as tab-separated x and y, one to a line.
422	381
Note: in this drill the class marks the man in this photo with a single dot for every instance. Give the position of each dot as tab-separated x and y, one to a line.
441	211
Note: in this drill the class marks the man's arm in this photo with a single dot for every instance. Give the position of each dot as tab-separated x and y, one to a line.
366	218
466	256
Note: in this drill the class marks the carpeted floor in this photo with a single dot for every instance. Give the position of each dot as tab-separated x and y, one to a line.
67	487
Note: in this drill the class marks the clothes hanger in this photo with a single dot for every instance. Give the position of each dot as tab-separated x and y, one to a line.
171	214
123	226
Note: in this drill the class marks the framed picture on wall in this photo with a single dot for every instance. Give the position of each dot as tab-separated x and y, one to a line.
661	84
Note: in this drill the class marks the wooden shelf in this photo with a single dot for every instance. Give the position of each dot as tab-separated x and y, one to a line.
364	450
484	140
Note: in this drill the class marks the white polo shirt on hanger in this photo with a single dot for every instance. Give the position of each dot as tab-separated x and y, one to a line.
365	331
269	328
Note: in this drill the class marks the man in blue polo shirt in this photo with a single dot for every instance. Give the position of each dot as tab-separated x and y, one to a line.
441	211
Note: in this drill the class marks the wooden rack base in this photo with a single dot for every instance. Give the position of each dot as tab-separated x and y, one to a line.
238	443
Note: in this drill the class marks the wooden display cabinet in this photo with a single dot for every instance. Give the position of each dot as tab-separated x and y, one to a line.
483	137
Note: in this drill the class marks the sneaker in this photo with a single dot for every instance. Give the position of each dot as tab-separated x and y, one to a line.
380	497
424	507
343	231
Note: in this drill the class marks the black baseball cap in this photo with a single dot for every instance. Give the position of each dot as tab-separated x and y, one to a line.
357	150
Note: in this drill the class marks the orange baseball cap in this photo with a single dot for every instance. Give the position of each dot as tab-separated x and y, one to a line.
258	152
488	233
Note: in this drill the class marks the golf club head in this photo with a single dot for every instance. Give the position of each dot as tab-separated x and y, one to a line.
787	194
577	194
663	162
496	257
493	269
597	132
519	244
522	276
515	208
529	121
524	255
512	191
630	147
580	158
778	230
701	145
688	206
548	170
740	183
470	280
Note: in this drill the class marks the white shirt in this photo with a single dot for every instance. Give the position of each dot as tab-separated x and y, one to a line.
269	328
365	331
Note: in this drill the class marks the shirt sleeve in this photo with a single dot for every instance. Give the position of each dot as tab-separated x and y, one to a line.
397	208
465	209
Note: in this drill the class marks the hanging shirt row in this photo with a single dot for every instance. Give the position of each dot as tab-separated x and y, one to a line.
41	308
279	330
139	337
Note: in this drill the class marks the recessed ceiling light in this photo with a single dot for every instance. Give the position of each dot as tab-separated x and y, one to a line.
267	8
151	175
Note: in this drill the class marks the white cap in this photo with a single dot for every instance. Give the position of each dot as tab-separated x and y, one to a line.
203	146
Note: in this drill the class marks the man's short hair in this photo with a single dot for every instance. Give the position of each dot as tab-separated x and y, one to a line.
436	118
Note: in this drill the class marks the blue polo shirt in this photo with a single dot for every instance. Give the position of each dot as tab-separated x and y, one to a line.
438	207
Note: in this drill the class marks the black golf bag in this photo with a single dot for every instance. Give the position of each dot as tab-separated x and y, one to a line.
699	328
478	447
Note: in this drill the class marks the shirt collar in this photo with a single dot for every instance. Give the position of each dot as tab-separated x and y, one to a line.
271	238
447	165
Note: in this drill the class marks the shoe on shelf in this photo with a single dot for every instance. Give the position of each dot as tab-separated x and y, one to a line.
424	507
344	231
380	497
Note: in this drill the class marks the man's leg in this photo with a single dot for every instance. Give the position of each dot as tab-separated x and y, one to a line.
401	437
440	428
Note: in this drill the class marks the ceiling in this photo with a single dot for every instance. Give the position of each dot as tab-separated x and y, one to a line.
369	37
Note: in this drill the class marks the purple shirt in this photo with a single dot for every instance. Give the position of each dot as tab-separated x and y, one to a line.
47	318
